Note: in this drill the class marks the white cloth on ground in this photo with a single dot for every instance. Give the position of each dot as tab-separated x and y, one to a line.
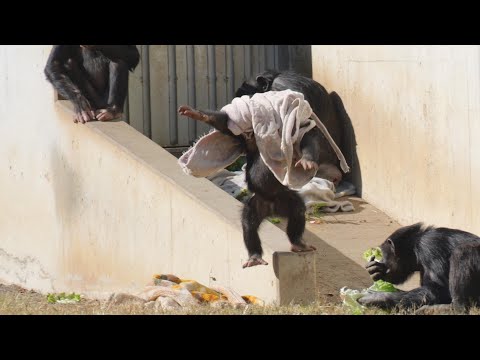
316	191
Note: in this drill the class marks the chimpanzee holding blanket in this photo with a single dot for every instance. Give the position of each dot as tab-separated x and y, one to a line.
280	136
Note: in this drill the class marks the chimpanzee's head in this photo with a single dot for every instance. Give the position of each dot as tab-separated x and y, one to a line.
262	83
399	253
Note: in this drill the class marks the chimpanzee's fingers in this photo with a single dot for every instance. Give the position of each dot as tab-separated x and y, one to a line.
182	109
376	269
102	116
85	117
371	263
377	276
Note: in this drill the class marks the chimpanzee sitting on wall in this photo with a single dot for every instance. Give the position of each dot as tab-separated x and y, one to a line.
448	261
93	77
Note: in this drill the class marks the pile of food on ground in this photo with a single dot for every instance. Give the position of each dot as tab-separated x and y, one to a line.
169	292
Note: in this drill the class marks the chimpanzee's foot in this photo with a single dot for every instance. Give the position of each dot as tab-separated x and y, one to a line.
307	164
302	247
254	261
187	111
107	114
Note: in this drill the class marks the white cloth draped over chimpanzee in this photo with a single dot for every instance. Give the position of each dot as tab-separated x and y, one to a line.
278	120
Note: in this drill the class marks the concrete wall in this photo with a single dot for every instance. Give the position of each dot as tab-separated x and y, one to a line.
99	208
415	114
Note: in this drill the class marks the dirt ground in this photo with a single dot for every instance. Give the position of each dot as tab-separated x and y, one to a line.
17	301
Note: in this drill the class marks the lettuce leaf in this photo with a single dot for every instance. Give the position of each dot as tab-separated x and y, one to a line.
382	286
373	252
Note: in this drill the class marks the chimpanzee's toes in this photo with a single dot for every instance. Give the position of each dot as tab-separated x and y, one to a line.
302	247
254	261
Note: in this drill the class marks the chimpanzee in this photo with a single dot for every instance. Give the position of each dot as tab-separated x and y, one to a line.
270	196
328	108
448	261
93	77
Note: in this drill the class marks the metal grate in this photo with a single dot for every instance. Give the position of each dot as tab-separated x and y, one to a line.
203	76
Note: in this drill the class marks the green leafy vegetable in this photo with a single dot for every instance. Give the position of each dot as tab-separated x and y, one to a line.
349	298
316	209
242	195
63	298
373	252
379	285
237	165
274	220
382	286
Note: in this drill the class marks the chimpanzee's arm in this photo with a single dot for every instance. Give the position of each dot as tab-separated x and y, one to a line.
217	119
127	53
56	72
431	291
403	299
118	90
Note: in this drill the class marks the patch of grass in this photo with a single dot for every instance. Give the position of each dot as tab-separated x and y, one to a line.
17	301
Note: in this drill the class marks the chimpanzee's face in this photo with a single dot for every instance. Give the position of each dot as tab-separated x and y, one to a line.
397	267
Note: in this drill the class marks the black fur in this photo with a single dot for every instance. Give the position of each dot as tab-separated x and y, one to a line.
93	77
270	196
448	261
328	107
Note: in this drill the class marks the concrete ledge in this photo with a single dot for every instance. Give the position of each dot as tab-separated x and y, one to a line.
124	210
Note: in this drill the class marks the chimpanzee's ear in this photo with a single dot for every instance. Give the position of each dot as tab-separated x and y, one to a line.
263	83
390	242
246	89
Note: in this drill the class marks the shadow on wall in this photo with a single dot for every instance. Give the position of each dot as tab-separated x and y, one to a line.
65	186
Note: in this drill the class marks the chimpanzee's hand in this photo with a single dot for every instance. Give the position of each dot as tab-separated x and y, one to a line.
377	270
83	111
110	113
307	164
188	111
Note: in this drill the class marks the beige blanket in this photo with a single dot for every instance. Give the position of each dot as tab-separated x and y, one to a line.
278	120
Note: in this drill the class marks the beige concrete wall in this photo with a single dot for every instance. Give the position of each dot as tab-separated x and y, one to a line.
99	208
415	112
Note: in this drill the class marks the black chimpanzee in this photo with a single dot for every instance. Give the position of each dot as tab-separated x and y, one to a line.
270	196
93	77
448	261
328	108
